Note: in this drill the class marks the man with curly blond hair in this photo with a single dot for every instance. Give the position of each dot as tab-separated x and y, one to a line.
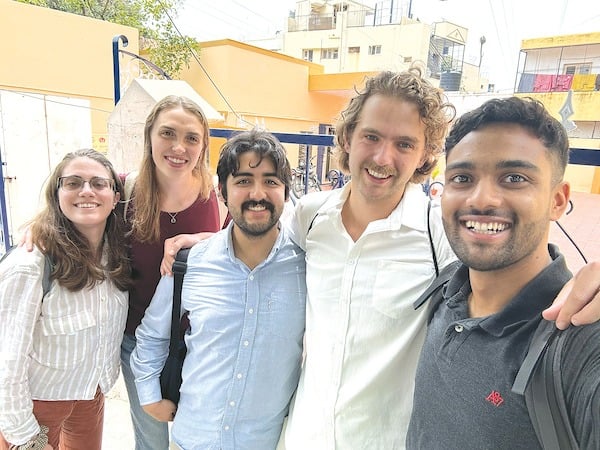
369	256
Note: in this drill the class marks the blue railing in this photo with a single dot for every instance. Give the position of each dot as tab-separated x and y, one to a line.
582	156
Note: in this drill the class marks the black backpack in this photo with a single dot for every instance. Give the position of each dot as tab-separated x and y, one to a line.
539	378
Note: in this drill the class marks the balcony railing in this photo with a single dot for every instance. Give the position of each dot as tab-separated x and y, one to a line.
544	82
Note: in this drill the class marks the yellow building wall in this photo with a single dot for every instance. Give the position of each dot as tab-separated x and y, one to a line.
57	53
585	108
263	88
561	41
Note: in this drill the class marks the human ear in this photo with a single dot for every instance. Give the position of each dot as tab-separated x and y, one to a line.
560	200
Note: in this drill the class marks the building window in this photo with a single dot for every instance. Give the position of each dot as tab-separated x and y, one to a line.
374	49
578	69
307	54
353	49
329	53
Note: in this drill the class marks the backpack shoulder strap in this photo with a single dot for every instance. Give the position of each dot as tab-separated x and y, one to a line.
436	285
539	380
46	281
431	245
179	269
128	188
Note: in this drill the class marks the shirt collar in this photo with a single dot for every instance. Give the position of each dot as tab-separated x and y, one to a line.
527	304
281	239
410	212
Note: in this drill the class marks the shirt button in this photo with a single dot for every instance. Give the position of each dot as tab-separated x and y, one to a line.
226	427
251	310
231	403
239	376
251	277
458	328
246	343
350	262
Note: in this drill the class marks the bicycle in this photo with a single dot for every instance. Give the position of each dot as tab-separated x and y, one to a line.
337	179
299	187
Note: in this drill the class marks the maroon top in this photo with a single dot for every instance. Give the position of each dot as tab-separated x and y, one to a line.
145	258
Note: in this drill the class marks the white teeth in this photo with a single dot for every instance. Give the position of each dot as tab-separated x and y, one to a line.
377	174
176	160
486	227
257	208
86	205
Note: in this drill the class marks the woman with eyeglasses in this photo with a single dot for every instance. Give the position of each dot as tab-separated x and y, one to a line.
59	352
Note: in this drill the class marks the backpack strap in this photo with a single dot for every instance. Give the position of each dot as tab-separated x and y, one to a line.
48	264
179	269
436	285
128	186
46	281
435	261
539	380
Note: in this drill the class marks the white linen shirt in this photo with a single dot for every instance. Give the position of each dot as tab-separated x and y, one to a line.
60	349
363	337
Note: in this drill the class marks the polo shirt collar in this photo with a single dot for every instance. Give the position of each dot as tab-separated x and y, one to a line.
526	305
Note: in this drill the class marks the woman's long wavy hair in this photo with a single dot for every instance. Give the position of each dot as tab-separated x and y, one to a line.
145	222
409	86
75	263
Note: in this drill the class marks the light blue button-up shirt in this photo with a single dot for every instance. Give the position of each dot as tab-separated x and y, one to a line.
244	345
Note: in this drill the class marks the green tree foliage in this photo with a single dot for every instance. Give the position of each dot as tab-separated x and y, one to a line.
166	47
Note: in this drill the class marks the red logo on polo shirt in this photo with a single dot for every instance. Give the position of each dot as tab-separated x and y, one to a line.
495	398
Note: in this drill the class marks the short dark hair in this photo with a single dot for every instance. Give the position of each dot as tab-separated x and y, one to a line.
524	111
261	142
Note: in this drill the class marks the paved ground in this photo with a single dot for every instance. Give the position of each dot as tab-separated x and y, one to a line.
118	432
582	224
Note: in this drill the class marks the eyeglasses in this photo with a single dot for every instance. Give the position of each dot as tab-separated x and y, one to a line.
74	183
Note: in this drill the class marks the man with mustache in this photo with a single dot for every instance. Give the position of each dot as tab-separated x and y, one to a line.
504	186
245	294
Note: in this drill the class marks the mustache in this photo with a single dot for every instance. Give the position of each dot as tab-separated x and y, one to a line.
385	170
484	212
250	204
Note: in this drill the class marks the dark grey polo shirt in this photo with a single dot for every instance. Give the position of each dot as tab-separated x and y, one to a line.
463	397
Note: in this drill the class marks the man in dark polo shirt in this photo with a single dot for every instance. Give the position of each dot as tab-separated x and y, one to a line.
504	185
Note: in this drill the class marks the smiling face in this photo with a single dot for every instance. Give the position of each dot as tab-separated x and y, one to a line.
177	141
385	149
255	195
499	198
87	208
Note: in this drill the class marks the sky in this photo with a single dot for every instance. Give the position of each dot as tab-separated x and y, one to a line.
503	23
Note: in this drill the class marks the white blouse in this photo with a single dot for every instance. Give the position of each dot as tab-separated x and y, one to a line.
61	348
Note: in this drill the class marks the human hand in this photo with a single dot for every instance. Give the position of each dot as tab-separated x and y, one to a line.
163	411
578	302
26	240
176	243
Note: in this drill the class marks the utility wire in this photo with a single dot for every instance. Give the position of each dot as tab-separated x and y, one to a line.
197	59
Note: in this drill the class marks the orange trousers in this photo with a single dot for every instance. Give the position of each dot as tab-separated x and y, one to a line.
72	424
